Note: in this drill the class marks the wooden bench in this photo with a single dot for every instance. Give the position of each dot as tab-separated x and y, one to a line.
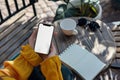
115	27
15	29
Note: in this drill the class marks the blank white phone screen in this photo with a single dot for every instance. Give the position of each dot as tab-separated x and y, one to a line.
43	40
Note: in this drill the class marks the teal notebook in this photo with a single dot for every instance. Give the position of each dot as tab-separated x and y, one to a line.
86	64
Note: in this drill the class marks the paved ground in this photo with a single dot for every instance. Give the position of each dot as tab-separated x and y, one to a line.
109	13
47	8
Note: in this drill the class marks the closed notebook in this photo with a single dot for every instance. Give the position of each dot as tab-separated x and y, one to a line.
86	64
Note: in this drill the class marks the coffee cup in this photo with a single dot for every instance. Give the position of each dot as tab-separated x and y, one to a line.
68	26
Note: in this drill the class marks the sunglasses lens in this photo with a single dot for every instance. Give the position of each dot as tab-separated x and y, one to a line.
82	21
93	26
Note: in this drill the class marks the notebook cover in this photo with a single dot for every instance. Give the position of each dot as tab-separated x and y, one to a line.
83	62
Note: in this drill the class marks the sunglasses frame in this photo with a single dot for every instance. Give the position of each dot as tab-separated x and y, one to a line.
88	24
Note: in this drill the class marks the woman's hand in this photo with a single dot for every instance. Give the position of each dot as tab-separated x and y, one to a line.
32	40
50	54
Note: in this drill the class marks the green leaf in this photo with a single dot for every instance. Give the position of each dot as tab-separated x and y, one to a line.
60	12
85	9
66	1
93	11
72	12
54	0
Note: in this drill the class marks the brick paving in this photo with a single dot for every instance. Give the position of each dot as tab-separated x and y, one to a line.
47	8
109	13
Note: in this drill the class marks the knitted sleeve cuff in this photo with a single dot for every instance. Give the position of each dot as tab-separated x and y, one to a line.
51	68
28	53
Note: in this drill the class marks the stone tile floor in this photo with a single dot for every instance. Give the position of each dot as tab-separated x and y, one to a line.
47	8
109	14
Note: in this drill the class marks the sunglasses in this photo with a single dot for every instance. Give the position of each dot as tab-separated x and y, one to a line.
92	25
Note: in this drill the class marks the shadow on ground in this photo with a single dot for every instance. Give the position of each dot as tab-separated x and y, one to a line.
109	13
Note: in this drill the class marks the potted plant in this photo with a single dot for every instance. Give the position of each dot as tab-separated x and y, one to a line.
78	8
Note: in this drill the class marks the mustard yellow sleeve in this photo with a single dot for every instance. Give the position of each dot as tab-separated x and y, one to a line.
4	77
51	68
21	67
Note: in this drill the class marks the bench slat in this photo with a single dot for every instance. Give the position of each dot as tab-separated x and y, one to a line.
12	20
116	33
21	35
6	35
118	49
117	39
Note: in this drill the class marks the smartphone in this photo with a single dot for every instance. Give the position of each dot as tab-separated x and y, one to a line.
44	38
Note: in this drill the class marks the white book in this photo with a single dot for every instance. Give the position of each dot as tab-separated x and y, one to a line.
43	40
86	64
